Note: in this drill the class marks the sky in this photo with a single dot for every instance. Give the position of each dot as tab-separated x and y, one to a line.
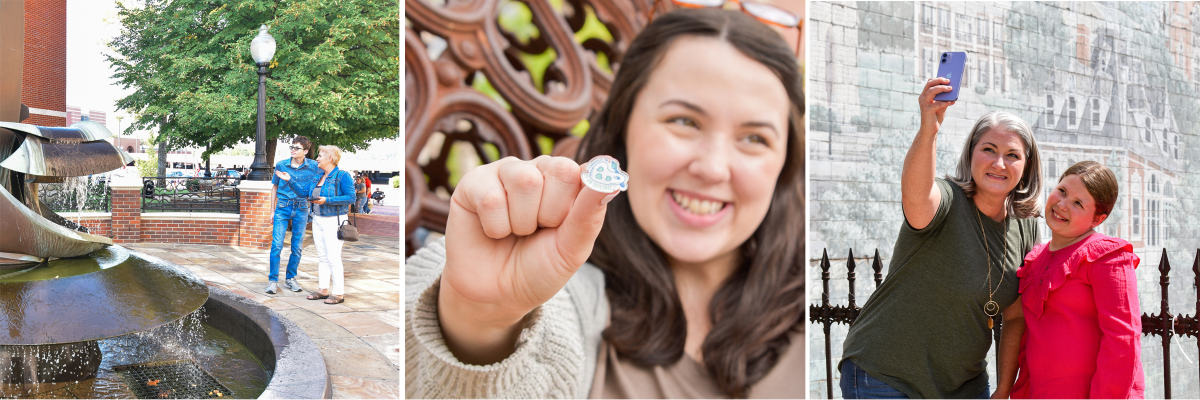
90	25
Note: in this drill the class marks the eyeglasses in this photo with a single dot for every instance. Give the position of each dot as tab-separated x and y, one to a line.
768	14
296	148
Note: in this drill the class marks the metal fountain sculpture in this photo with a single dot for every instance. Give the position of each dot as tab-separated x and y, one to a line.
61	288
32	155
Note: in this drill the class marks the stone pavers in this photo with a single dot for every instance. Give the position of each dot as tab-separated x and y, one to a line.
359	339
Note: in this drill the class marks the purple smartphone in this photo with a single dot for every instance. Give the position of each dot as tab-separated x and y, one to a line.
951	67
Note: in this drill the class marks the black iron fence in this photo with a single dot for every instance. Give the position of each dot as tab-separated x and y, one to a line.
1164	324
60	198
191	194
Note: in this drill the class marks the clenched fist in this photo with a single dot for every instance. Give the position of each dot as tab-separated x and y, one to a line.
517	232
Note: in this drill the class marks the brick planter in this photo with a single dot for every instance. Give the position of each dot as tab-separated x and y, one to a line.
127	224
254	229
126	209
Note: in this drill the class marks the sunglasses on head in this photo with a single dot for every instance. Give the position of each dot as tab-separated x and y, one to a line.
763	12
768	14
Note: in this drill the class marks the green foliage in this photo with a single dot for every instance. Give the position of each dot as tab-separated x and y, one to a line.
148	167
335	77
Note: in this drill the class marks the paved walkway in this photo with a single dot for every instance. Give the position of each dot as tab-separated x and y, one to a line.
360	338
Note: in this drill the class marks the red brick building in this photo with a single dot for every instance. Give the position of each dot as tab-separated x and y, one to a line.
44	81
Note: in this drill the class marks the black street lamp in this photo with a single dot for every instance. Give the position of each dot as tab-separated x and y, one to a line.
262	49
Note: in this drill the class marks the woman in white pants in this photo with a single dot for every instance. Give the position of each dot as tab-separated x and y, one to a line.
331	202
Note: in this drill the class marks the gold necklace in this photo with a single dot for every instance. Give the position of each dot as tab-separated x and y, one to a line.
992	308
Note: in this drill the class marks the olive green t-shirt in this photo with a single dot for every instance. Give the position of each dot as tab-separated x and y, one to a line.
924	332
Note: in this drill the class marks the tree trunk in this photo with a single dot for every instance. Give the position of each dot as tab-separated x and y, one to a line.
270	150
162	150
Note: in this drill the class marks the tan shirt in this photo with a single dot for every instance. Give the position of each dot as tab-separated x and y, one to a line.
687	378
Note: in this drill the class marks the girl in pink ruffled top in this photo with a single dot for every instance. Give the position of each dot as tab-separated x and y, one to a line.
1080	300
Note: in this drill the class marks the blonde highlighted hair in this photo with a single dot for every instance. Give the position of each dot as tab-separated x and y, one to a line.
334	153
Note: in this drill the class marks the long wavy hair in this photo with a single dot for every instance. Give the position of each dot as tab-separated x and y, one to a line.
763	301
1023	199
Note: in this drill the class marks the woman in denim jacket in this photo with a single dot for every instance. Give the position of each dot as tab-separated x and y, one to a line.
330	202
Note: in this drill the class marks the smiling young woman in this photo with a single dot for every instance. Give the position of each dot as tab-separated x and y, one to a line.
690	285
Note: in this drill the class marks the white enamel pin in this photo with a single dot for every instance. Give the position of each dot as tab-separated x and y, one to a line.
603	175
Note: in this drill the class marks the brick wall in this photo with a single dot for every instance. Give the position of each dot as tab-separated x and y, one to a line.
189	231
99	226
1130	102
44	80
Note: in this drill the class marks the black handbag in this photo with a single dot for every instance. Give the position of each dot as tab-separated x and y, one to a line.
346	230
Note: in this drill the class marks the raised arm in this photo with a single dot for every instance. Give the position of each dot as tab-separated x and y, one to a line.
919	196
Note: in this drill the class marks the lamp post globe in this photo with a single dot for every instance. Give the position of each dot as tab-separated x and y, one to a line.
262	50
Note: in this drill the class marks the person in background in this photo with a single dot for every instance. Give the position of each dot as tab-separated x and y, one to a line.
290	188
360	193
367	204
330	202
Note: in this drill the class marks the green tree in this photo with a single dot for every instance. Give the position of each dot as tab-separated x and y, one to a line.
334	78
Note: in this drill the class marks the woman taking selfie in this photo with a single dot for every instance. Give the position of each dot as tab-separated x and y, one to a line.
689	285
927	329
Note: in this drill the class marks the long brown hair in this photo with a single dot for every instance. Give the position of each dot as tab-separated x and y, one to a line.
763	301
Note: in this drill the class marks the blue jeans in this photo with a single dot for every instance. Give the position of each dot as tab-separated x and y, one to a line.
295	212
857	384
361	201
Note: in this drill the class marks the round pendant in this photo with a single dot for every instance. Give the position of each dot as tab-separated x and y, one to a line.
991	308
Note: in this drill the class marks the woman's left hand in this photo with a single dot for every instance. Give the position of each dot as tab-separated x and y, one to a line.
319	200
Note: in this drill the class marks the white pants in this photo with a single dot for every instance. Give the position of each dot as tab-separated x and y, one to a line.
329	254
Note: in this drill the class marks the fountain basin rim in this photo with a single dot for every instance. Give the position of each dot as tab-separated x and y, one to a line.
298	369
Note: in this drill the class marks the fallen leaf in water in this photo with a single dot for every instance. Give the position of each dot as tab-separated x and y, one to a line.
153	382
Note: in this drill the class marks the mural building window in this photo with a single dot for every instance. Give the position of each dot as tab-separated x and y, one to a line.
1137	219
927	18
983	72
983	31
944	22
1071	112
1152	222
930	61
997	34
1050	111
963	28
998	77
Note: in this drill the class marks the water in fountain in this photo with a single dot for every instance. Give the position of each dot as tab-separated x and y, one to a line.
224	358
78	185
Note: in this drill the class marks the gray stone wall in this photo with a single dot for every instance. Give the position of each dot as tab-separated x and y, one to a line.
1117	83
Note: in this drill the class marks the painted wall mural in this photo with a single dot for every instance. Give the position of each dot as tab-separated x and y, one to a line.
1117	83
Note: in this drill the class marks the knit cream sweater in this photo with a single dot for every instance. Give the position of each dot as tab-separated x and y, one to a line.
556	351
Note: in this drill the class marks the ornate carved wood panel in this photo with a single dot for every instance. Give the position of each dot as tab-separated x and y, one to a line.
443	106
